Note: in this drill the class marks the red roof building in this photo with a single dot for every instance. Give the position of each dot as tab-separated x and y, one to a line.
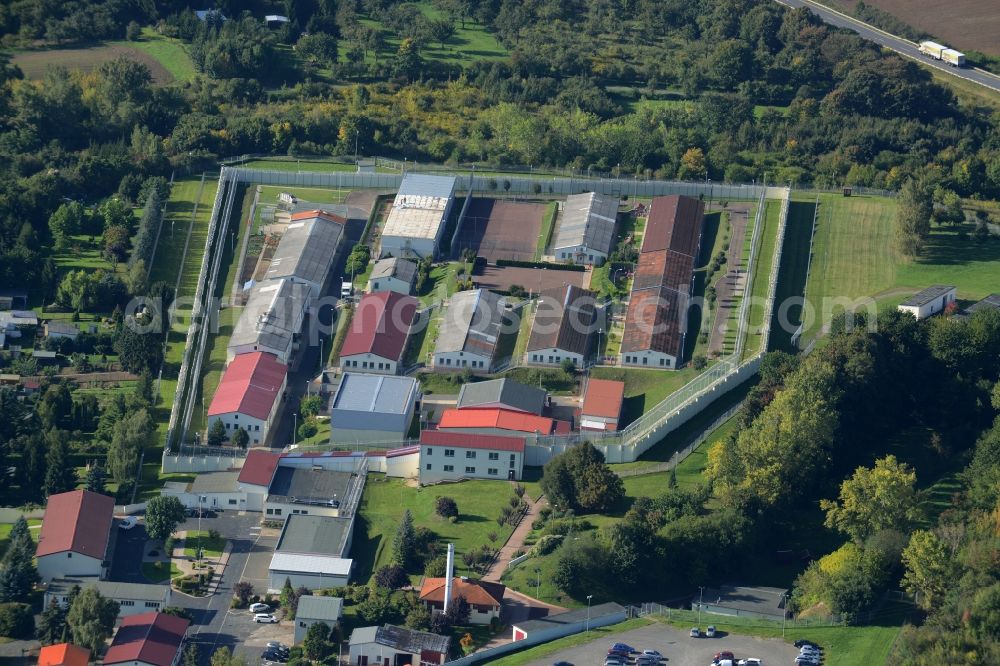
376	337
153	639
484	421
467	441
249	394
484	598
258	468
322	214
77	523
602	405
63	654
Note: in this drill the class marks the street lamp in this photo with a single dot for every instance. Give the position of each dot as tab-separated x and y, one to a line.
295	427
784	613
701	597
589	597
600	335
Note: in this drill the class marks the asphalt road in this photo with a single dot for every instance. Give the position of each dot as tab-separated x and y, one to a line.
678	648
897	44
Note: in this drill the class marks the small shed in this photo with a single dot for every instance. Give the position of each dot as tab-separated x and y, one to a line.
312	610
930	301
390	645
56	329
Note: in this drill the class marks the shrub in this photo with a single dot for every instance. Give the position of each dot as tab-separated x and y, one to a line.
547	544
17	621
446	507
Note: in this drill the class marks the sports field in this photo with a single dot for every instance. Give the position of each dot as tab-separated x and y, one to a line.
498	229
854	256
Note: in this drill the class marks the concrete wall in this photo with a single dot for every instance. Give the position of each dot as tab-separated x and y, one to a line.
347	436
127	606
276	580
482	464
403	467
68	565
389	284
176	463
579	254
283	354
281	510
398	246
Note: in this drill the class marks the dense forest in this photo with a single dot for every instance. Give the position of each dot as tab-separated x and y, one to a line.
726	89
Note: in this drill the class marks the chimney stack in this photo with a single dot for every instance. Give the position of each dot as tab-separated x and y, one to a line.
449	574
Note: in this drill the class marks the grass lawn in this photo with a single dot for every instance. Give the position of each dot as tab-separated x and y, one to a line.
383	503
5	529
602	634
545	233
212	547
699	320
292	164
159	572
792	274
167	51
322	436
645	388
761	277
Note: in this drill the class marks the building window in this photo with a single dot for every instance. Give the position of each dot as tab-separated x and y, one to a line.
233	502
428	466
256	428
494	455
227	426
270	512
470	454
645	360
492	471
449	453
69	555
470	470
277	512
662	361
429	450
152	604
449	468
127	602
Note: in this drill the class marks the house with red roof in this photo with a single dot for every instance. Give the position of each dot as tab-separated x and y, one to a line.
63	654
249	395
602	405
75	539
449	456
500	422
149	639
376	337
484	598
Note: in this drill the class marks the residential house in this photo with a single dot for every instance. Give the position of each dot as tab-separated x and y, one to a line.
76	536
149	639
449	456
377	334
485	599
393	274
390	645
313	610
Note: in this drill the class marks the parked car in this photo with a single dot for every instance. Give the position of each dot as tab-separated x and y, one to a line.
750	661
803	643
128	522
562	663
624	647
651	653
274	655
719	656
807	649
264	608
647	660
615	661
277	645
265	618
807	659
710	631
695	632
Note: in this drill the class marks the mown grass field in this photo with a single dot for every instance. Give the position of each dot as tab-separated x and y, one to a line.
291	164
383	503
792	275
854	257
212	547
756	325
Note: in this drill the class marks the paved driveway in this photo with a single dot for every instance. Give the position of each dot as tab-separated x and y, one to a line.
679	649
126	561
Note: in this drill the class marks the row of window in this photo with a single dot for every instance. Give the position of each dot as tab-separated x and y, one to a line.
367	365
256	428
465	363
645	360
130	602
471	455
540	358
492	471
274	512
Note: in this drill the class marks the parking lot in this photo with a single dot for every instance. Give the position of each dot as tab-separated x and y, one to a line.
678	648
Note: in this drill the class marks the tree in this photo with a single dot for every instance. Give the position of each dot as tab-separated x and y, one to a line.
163	515
441	30
407	63
91	618
579	479
242	592
436	567
316	645
391	577
310	405
132	31
403	543
16	621
60	476
18	574
873	500
692	165
51	627
318	47
223	657
929	569
913	216
66	221
129	437
446	507
55	406
458	611
116	243
216	433
116	213
419	618
241	438
139	344
191	656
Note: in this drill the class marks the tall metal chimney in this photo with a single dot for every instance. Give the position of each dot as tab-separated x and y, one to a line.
449	574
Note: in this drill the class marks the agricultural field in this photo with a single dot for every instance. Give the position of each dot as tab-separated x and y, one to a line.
971	24
166	58
854	257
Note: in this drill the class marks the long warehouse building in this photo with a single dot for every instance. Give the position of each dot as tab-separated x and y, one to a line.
418	216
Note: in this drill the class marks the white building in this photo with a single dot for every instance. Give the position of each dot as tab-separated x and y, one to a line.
248	395
313	610
311	491
132	598
312	552
75	540
485	599
148	639
376	337
450	456
314	572
372	408
470	332
930	301
587	229
418	216
393	274
271	320
390	645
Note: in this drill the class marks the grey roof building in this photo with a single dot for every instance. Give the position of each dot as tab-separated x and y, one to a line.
587	227
133	598
315	535
472	324
312	609
401	639
372	407
991	302
418	214
565	319
271	319
403	270
306	250
503	394
927	295
308	484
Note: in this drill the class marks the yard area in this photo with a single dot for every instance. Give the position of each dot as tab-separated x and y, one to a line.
385	499
211	545
159	572
645	388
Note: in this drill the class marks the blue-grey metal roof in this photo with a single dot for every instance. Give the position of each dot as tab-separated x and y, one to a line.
379	394
314	535
931	293
312	607
306	250
588	220
426	185
272	316
472	323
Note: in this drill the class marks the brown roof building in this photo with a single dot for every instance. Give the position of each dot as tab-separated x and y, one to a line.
76	535
484	598
657	317
563	328
602	405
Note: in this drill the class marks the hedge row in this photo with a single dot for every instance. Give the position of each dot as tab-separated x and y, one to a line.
541	264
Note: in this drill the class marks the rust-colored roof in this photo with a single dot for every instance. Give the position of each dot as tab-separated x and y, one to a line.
153	638
468	441
674	223
476	592
664	268
310	214
603	398
655	321
77	521
502	419
250	385
63	654
380	325
565	319
258	468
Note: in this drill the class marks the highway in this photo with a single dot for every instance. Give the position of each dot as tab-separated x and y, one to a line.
897	44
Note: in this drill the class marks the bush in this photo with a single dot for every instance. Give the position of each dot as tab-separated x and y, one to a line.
541	264
547	544
446	507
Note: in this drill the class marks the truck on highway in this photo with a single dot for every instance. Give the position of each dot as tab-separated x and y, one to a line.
942	53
